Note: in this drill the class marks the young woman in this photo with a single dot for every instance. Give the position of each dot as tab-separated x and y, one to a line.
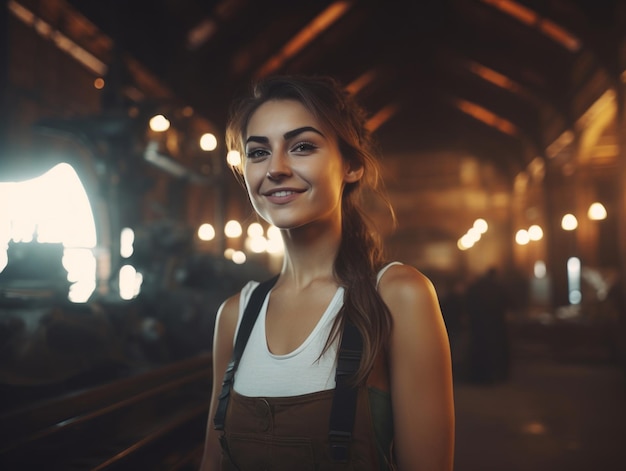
307	157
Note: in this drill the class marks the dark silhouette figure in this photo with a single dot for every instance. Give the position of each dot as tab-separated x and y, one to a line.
489	350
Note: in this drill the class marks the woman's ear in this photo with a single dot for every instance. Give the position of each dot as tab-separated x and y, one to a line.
353	173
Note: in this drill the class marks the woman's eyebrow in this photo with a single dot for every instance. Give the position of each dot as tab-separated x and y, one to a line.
288	135
295	132
259	139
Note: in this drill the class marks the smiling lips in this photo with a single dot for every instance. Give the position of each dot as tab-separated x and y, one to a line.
282	196
282	193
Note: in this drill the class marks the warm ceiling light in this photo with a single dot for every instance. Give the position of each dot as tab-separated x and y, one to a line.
514	9
206	232
494	77
233	229
233	158
256	244
569	222
159	123
487	117
381	117
208	142
62	41
361	82
481	225
533	19
560	35
597	212
311	31
535	232
466	242
522	237
474	234
239	257
201	33
255	230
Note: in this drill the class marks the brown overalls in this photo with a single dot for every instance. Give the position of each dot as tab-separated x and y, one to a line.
291	433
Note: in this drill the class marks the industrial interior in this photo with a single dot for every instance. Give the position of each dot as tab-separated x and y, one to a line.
502	131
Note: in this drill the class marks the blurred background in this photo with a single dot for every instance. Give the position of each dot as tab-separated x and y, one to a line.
502	126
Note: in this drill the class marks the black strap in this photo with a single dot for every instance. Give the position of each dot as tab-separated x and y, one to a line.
250	315
343	409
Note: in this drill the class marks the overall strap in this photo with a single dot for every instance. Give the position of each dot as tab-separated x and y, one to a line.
343	409
250	315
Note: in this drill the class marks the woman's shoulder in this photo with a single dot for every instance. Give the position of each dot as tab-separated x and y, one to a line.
400	277
230	310
404	287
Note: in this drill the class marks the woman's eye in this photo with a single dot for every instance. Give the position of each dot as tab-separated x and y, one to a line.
303	147
256	153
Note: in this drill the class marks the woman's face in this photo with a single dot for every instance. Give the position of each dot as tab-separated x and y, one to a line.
293	169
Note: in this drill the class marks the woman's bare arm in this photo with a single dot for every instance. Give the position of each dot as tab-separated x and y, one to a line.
420	372
225	326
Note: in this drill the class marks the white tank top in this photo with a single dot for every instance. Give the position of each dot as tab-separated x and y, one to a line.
302	371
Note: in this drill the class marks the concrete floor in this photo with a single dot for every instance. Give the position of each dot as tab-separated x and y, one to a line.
556	412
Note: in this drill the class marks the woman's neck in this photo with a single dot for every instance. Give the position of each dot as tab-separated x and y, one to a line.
310	254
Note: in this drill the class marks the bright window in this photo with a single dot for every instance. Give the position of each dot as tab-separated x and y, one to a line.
52	208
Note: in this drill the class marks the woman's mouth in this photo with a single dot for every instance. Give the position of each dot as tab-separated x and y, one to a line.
282	196
282	193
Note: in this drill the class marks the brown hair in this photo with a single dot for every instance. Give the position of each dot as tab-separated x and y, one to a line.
360	254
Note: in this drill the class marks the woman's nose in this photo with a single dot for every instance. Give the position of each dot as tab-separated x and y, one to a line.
278	166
